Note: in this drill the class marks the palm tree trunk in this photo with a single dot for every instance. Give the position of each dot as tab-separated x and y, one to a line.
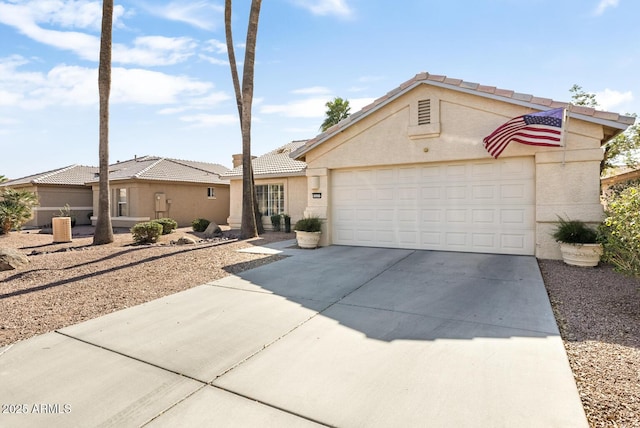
104	231
244	100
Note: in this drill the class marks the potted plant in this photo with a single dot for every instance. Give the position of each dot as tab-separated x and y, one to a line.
308	230
578	243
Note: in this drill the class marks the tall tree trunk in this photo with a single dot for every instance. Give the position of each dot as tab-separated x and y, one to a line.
244	101
104	231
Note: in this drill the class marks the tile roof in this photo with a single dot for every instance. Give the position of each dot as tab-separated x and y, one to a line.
616	122
166	169
72	175
277	162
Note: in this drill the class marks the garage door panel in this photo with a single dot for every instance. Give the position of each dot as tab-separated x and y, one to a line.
481	206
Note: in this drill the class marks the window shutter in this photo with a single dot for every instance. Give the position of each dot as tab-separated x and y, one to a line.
424	112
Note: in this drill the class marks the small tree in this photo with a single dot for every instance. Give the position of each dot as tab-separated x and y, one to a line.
337	110
16	208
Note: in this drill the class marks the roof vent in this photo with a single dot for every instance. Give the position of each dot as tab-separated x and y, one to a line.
424	112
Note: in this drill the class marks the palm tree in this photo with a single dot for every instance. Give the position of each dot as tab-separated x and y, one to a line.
104	231
244	100
337	110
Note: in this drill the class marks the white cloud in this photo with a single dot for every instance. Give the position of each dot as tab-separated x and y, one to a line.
212	60
200	14
210	120
604	5
311	107
609	98
147	51
155	50
215	46
66	85
314	90
326	7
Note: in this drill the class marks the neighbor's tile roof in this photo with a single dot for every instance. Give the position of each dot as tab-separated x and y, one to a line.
616	122
72	175
166	169
277	162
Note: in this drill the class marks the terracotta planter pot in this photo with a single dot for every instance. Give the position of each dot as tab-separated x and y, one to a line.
307	239
581	254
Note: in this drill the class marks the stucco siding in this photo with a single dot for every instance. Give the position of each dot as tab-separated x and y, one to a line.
53	198
184	202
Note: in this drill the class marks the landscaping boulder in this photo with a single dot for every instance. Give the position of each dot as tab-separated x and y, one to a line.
213	231
11	259
185	240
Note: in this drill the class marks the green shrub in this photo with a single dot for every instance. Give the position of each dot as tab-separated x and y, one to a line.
168	225
620	231
200	224
309	224
574	232
147	232
275	222
16	208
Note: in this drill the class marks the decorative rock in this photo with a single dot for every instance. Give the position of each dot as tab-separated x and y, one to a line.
11	259
213	231
185	240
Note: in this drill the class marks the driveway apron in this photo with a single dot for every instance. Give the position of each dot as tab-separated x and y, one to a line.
338	336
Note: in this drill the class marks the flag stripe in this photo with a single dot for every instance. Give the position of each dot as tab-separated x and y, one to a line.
538	129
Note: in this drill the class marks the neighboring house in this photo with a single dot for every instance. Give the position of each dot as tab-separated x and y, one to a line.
151	187
57	188
142	189
410	171
281	185
620	176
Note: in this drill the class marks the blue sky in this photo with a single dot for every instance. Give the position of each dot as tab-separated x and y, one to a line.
171	87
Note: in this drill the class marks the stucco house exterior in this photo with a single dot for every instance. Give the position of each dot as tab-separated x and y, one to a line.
57	188
281	185
410	171
142	189
151	187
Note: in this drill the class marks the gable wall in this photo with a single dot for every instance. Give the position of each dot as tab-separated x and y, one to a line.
566	180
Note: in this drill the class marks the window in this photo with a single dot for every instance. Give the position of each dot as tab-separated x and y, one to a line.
270	199
121	199
211	192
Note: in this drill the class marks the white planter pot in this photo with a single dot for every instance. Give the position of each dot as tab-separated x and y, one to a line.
581	254
307	239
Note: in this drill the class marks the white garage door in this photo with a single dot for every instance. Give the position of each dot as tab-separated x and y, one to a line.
474	206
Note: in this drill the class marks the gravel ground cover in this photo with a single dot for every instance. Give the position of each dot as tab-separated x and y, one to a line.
597	309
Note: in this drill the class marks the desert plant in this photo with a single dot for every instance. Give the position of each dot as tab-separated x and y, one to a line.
147	232
16	208
276	219
620	231
287	223
67	212
200	224
309	224
168	225
574	232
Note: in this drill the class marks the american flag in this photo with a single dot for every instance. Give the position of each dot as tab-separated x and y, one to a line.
536	129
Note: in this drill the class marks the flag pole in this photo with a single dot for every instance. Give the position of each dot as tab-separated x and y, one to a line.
565	131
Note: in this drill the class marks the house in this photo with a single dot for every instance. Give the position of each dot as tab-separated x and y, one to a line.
142	189
410	171
281	185
150	187
55	189
622	176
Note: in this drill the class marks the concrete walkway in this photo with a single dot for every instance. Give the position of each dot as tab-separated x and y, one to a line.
338	336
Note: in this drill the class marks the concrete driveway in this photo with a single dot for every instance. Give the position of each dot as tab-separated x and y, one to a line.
339	336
